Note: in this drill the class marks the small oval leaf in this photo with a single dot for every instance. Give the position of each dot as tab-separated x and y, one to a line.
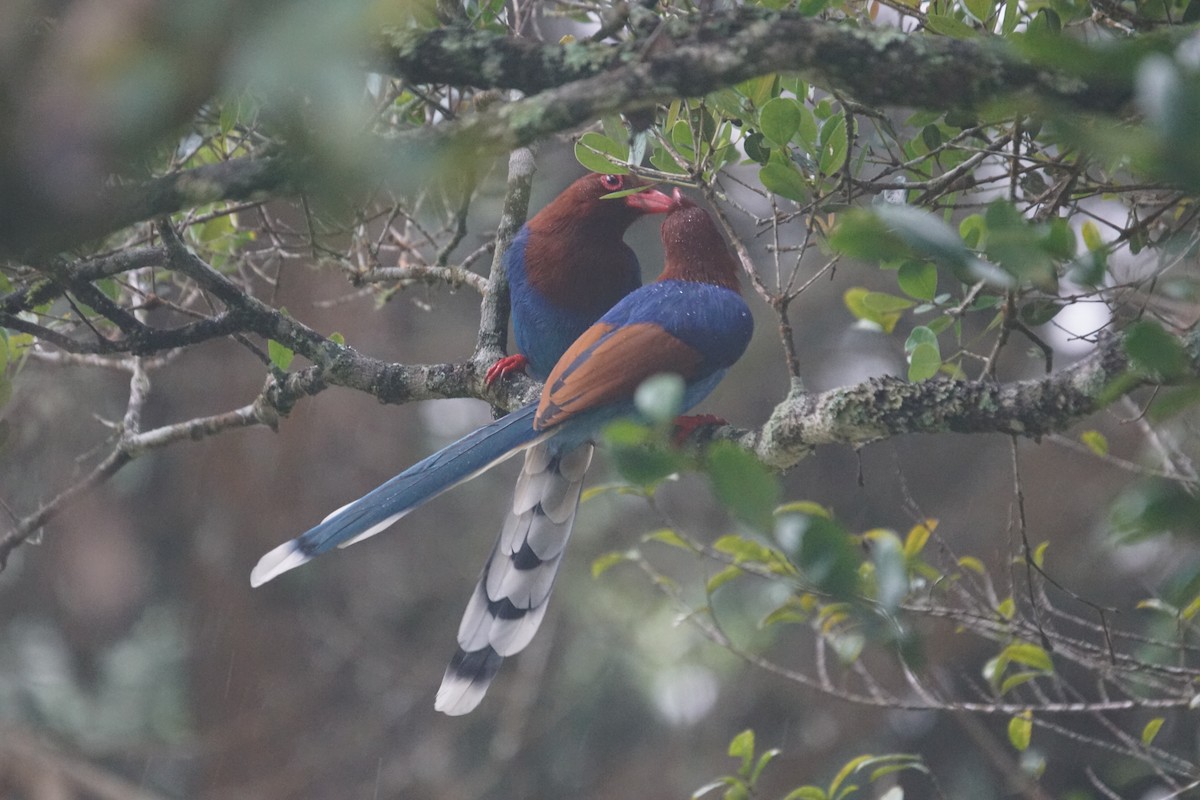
1020	730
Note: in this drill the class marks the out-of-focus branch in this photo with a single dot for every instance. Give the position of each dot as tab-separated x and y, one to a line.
34	769
576	83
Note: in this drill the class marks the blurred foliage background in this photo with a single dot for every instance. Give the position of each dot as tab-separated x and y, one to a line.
984	616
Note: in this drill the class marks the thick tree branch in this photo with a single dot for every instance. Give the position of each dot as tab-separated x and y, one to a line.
884	407
702	53
579	82
92	269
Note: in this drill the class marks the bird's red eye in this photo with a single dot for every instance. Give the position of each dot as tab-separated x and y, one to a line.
612	182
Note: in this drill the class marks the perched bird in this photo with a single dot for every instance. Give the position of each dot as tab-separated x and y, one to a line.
565	267
568	265
692	322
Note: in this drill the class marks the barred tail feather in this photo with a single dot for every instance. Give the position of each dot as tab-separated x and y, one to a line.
510	599
459	462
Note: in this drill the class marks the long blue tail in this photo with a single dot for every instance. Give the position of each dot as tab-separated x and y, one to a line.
469	456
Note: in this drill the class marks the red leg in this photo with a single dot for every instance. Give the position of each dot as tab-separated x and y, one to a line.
685	426
503	367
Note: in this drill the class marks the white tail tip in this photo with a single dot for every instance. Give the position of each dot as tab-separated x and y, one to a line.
278	561
458	695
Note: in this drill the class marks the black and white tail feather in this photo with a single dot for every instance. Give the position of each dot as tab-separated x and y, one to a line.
510	598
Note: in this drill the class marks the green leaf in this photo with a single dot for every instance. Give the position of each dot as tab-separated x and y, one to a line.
1151	730
742	748
639	455
981	10
763	760
1190	610
809	131
974	564
337	338
1059	240
1020	730
925	233
1092	239
593	492
891	571
834	145
1040	311
728	102
1152	507
807	507
683	138
1175	400
855	300
916	539
660	397
668	537
784	180
743	485
883	303
605	562
664	161
758	90
708	787
721	578
1154	604
598	153
924	362
1007	608
1019	247
807	793
743	549
972	229
756	147
780	119
1017	678
931	136
792	610
863	235
918	279
1031	655
1152	350
1012	17
949	26
1096	441
845	772
280	354
1039	554
1089	268
919	335
826	554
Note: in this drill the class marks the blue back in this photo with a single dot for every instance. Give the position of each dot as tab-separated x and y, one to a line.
712	320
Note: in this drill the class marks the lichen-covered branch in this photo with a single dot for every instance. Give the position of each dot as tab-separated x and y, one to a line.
885	407
702	53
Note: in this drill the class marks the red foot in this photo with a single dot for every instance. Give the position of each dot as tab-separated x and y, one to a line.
505	366
687	425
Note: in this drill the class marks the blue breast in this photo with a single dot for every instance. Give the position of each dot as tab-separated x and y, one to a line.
544	330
